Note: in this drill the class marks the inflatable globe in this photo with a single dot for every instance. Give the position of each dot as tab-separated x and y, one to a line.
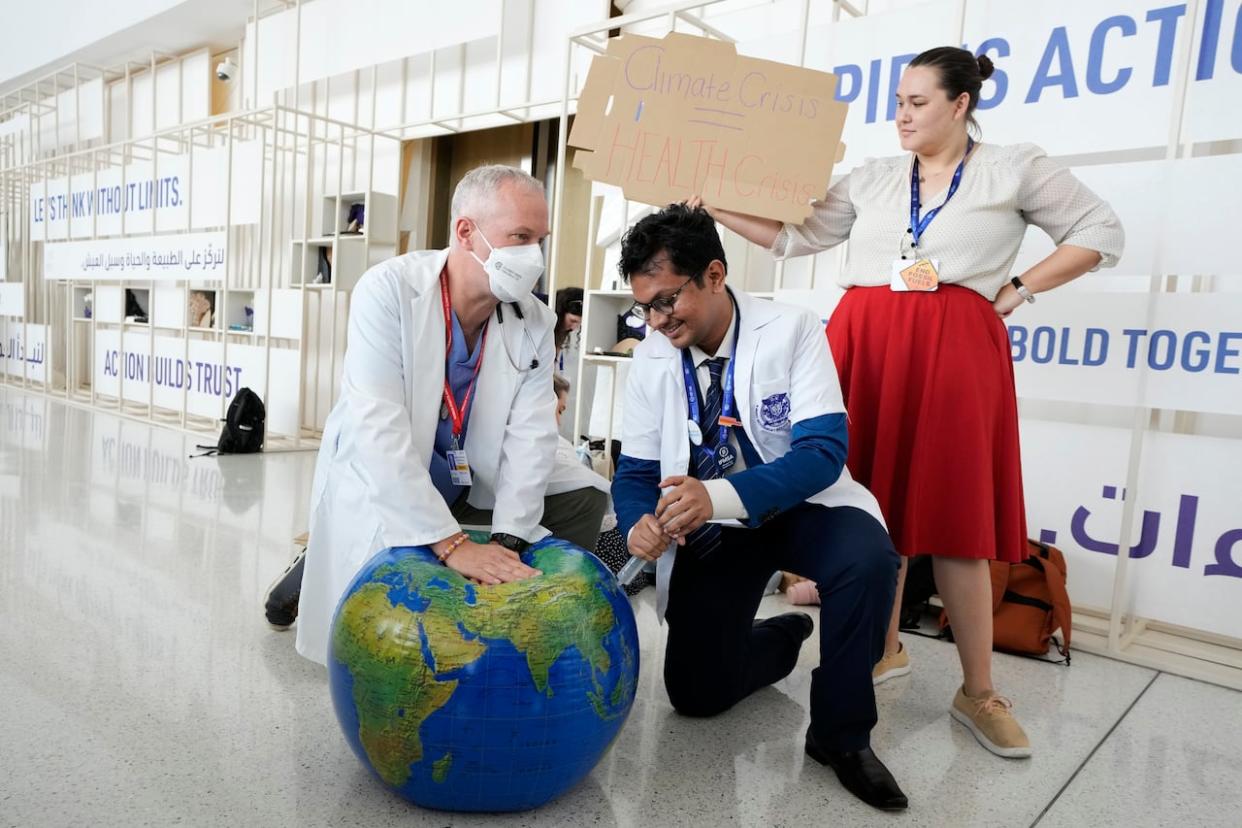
482	698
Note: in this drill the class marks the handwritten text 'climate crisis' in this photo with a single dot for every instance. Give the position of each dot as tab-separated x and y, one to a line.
644	72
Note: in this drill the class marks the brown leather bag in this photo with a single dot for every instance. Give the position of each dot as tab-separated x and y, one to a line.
1030	603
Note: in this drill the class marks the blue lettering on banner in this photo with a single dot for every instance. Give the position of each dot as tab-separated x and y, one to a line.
1057	70
139	196
1212	13
1224	562
1042	344
1224	352
1058	49
1168	18
873	89
1196	351
851	73
212	379
1095	80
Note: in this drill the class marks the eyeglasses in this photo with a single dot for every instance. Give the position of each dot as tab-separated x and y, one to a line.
662	304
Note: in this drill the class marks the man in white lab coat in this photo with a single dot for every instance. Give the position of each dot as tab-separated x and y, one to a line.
446	415
733	467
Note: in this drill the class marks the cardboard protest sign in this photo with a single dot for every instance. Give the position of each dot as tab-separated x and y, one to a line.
667	119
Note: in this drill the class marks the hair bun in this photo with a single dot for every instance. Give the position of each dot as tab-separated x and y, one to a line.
986	67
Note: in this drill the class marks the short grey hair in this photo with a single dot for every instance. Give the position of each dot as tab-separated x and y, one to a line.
473	193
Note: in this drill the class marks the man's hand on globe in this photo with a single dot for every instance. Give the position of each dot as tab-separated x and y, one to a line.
647	540
489	564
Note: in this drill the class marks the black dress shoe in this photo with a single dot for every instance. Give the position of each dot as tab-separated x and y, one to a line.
281	602
797	623
862	774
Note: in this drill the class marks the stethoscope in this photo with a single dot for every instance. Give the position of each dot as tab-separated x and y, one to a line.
500	319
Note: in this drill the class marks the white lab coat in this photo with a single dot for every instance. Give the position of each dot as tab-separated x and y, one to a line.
782	360
372	488
570	475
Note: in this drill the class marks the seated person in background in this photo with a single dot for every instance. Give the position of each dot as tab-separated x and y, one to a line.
733	413
571	471
568	320
444	416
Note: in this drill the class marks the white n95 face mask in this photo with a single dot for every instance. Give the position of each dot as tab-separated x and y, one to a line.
511	271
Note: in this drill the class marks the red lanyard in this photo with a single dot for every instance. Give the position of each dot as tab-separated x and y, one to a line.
456	414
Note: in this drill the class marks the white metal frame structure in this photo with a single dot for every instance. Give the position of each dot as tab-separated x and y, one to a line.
410	124
302	182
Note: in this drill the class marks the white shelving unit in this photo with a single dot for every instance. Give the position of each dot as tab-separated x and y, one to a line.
286	313
109	303
599	385
83	303
379	216
141	297
348	253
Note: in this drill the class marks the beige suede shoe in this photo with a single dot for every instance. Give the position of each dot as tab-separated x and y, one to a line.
891	666
989	718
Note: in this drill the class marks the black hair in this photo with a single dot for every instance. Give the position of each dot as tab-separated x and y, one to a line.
568	300
565	297
688	237
960	71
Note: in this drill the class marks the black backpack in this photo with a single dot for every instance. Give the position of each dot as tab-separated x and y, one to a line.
243	426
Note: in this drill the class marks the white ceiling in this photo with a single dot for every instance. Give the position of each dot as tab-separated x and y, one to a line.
45	35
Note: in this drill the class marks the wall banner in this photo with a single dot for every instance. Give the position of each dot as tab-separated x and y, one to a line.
196	256
24	350
1101	348
202	375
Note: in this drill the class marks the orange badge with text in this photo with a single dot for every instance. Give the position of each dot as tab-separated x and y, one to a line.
921	275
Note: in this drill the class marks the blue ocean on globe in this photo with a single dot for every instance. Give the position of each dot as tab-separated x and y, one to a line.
483	698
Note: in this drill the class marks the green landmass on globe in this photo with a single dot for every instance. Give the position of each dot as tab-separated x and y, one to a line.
441	768
381	645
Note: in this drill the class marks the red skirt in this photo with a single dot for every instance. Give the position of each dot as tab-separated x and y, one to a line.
933	419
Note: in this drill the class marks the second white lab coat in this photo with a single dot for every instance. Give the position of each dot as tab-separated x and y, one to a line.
784	374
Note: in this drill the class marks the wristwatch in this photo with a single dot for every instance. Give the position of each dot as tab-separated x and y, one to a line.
1023	290
510	542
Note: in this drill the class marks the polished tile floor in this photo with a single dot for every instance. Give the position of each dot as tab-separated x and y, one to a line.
139	684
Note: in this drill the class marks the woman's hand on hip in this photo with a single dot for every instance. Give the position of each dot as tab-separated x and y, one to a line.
1007	301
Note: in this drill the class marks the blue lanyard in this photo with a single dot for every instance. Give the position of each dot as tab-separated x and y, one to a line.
726	390
918	227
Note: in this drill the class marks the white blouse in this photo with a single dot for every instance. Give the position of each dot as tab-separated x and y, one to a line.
975	238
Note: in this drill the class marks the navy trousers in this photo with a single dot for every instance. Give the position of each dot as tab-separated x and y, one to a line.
717	654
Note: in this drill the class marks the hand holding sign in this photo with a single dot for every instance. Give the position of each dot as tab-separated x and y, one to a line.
670	119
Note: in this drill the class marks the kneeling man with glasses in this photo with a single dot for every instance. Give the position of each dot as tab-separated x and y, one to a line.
733	467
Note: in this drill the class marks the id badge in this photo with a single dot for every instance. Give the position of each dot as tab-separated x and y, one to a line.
915	275
459	467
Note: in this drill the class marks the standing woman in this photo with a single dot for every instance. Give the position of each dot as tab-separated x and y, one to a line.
922	352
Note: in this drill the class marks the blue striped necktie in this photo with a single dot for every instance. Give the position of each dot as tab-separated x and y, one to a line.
706	539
